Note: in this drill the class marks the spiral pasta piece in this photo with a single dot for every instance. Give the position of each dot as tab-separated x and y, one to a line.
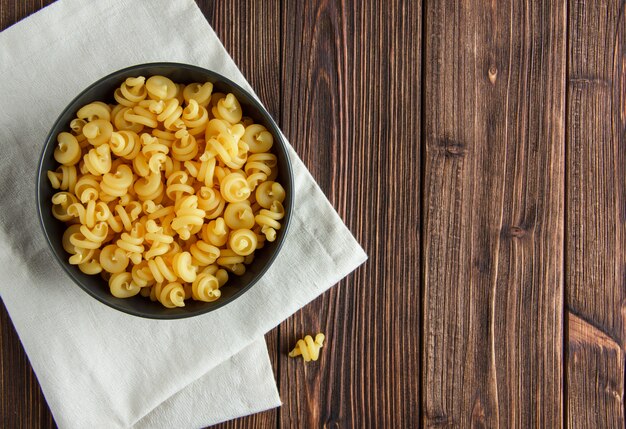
209	200
185	147
94	111
125	144
189	218
219	147
195	117
216	232
227	148
234	188
141	167
97	234
61	201
65	241
87	188
205	288
253	181
238	156
204	253
258	139
243	242
79	241
150	187
239	216
132	243
113	259
154	155
102	213
98	160
216	127
269	192
91	266
141	275
308	348
204	170
120	122
260	163
86	215
68	151
178	185
152	145
156	233
76	125
64	178
128	214
117	184
156	211
157	248
122	286
161	88
98	131
268	220
172	295
237	131
229	109
161	270
164	137
183	266
170	114
200	93
131	92
228	258
141	115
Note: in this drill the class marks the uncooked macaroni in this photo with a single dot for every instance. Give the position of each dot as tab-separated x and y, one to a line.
308	348
167	192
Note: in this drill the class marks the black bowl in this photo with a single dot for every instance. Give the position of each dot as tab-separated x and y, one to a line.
53	229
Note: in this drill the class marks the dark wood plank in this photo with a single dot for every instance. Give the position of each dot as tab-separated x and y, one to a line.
493	204
596	213
22	405
351	108
12	11
595	377
250	32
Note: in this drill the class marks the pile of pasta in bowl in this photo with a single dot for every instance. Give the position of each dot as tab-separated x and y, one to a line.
167	192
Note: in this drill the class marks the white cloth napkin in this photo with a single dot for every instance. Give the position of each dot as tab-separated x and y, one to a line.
99	367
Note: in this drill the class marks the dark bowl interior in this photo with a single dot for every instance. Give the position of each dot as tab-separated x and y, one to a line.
53	229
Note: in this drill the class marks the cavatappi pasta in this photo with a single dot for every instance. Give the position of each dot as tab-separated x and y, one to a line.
308	348
167	192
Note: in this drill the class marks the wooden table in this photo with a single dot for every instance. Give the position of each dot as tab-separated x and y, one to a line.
478	152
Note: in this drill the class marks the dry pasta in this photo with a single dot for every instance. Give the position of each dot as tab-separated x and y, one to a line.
308	348
168	192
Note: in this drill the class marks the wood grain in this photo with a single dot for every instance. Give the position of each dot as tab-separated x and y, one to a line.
493	204
12	11
595	377
22	405
596	212
351	108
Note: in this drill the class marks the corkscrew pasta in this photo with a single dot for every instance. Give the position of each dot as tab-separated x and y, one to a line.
167	192
308	348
